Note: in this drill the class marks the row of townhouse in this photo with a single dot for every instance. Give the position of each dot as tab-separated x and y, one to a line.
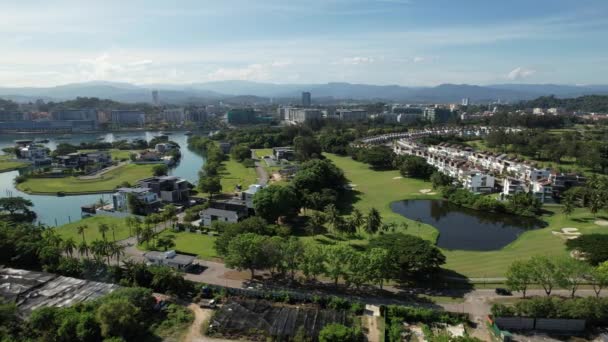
483	171
469	131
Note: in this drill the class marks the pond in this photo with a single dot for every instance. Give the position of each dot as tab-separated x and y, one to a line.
53	210
466	229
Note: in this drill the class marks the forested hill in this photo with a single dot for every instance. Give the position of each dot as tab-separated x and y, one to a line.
589	103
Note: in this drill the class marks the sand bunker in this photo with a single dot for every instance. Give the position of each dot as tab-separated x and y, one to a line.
397	177
425	191
602	223
568	233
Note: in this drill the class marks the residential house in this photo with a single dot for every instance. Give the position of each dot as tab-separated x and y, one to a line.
287	153
36	154
120	199
208	216
168	188
478	181
170	258
542	189
248	194
512	186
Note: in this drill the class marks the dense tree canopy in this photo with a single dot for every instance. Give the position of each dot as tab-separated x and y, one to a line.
410	255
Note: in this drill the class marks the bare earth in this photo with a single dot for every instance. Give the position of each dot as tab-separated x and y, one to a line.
201	316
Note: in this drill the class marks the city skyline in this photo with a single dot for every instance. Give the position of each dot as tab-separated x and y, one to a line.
405	42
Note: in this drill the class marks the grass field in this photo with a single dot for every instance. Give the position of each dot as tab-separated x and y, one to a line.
6	165
234	173
116	153
192	243
127	173
379	188
92	232
535	242
261	152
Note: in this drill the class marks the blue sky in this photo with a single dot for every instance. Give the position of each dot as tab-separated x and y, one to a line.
406	42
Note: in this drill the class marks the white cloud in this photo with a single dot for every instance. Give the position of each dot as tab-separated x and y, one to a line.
520	73
356	60
251	72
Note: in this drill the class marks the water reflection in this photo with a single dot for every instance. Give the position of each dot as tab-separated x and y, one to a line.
466	229
54	210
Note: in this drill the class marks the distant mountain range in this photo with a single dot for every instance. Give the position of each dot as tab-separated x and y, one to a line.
234	91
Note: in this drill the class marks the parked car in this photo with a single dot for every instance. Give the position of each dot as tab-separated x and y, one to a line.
503	292
208	304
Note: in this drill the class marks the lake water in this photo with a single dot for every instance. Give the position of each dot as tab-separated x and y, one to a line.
53	210
466	229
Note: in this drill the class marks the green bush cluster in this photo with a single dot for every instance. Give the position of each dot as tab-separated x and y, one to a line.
594	310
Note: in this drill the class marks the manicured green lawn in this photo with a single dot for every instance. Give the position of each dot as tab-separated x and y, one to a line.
378	189
116	153
261	152
127	173
70	230
235	173
535	242
6	165
192	243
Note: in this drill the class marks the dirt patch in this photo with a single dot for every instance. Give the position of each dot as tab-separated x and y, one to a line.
236	275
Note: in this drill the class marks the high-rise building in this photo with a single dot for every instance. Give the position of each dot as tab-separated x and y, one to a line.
306	99
351	114
174	115
128	117
465	101
298	115
241	116
155	98
75	114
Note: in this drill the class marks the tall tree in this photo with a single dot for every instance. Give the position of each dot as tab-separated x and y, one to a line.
246	251
520	276
544	273
373	221
337	262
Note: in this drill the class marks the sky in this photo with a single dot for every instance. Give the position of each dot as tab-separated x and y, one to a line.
404	42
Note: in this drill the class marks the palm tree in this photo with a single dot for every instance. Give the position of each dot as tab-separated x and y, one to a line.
357	218
103	229
373	221
113	228
101	203
332	215
69	245
117	250
98	248
315	222
51	238
568	203
138	231
83	248
81	230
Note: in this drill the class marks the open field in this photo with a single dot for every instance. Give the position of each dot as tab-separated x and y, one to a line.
7	165
191	243
378	189
130	173
234	173
261	152
92	232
